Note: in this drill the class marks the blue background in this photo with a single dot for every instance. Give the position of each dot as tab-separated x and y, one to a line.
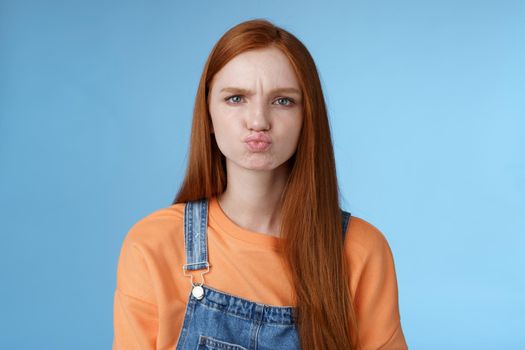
427	107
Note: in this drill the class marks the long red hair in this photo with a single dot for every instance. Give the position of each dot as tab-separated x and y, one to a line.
311	226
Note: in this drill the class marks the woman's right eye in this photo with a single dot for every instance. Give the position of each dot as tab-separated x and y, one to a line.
234	98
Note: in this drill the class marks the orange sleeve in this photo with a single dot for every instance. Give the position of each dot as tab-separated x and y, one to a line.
376	297
135	313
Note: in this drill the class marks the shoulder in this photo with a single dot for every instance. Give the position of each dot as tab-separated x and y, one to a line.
364	239
367	252
154	229
147	242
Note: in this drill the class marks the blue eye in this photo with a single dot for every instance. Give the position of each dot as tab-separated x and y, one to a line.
234	101
289	101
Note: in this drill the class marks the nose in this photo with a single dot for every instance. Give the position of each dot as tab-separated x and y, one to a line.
257	116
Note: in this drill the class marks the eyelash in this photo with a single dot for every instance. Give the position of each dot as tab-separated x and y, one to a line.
291	101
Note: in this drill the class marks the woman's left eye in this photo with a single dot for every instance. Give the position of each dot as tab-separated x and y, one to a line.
287	101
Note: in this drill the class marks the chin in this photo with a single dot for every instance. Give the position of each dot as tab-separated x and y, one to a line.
262	166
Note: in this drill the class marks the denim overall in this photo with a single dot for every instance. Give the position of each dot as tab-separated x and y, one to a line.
217	320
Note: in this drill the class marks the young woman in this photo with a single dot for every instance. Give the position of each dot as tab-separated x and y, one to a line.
255	252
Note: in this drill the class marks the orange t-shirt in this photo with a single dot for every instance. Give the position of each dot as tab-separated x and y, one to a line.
152	291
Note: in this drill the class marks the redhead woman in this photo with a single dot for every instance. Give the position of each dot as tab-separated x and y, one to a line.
255	251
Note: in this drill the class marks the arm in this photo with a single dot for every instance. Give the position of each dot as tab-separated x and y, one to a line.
376	294
135	313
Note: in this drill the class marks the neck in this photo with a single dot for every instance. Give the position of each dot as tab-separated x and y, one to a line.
252	199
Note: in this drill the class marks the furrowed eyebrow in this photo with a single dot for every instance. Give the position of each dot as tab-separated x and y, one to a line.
236	90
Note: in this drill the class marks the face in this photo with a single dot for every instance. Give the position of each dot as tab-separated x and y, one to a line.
256	94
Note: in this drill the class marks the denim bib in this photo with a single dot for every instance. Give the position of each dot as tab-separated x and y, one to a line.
216	320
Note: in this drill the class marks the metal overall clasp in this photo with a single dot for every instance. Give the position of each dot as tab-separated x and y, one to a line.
197	291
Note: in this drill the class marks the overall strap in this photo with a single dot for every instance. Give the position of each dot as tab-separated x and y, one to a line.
346	218
195	230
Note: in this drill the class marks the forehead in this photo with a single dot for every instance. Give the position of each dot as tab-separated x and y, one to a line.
268	67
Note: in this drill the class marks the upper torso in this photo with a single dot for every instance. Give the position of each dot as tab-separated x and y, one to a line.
152	291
